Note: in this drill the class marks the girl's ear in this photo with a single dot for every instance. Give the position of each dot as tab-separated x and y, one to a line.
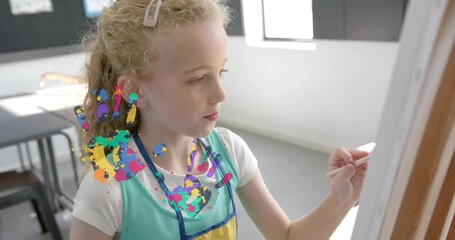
141	100
128	87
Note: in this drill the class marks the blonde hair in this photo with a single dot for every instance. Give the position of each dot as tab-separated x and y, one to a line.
122	45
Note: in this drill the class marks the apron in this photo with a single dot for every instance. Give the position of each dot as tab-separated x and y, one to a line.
223	228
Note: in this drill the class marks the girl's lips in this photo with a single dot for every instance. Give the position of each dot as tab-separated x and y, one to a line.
212	117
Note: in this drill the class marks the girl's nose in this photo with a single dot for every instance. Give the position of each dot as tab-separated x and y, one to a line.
218	93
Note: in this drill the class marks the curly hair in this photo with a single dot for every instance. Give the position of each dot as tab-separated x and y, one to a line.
122	45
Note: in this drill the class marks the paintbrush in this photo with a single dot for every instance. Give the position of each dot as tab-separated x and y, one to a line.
369	147
357	162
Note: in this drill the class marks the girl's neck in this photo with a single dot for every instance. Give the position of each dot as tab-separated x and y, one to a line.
179	147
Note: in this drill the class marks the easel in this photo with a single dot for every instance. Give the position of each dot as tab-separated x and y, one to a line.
409	191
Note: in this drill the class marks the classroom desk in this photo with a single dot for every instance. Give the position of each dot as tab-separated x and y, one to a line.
23	121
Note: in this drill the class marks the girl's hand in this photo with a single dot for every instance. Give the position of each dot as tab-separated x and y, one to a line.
347	184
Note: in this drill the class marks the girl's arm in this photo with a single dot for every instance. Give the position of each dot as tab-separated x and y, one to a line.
323	221
83	231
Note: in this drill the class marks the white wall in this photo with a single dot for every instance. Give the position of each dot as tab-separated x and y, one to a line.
329	97
24	76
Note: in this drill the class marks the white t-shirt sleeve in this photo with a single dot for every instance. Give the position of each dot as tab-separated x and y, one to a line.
99	204
241	155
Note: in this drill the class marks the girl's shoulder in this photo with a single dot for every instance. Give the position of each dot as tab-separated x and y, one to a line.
241	155
229	137
99	204
233	142
93	188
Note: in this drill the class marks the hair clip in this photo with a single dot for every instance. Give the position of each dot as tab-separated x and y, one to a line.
149	22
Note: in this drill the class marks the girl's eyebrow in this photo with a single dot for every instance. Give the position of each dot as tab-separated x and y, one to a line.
201	67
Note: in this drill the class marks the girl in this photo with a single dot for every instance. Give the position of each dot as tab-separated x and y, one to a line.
172	54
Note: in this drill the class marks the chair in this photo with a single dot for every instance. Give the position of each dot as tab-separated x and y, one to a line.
17	187
49	78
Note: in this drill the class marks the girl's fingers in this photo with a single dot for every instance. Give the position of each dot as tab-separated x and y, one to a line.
362	169
357	154
339	158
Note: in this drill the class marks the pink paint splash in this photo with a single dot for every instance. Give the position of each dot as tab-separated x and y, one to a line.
191	208
224	181
176	198
202	167
117	99
135	167
120	176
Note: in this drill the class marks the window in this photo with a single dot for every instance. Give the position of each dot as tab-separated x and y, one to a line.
288	19
284	24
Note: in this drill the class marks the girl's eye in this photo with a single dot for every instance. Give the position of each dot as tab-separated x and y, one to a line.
222	71
197	80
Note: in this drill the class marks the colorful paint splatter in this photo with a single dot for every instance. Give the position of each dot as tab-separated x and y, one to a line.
103	109
131	116
203	164
224	181
216	163
190	158
117	99
81	119
111	157
121	162
190	197
159	150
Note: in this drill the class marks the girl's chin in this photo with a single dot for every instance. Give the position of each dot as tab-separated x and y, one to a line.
204	132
